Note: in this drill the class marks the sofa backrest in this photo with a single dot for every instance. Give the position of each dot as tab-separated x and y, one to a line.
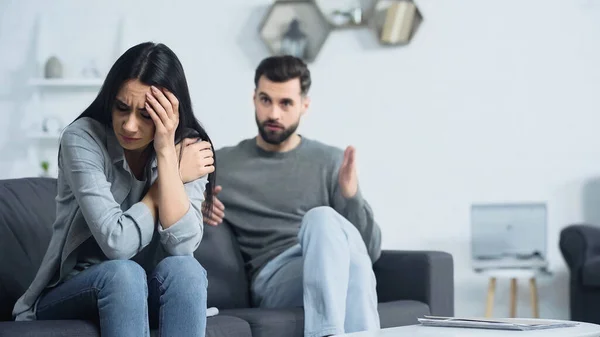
27	212
220	255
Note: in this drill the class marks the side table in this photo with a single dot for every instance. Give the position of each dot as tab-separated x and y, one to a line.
513	275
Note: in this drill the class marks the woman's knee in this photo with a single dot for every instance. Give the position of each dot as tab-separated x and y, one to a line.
123	281
123	273
185	268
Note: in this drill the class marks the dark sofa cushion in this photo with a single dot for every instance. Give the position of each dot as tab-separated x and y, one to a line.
591	272
272	322
220	255
401	313
5	307
27	211
290	322
217	326
227	326
49	329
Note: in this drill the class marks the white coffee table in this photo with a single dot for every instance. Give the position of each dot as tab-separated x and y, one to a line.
582	330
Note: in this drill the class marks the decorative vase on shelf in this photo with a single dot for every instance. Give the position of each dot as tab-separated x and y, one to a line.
52	125
294	41
399	23
53	68
351	17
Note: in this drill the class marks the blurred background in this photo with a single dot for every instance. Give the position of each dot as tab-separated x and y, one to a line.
490	102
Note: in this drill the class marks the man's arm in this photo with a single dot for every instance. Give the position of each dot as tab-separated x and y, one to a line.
347	200
358	211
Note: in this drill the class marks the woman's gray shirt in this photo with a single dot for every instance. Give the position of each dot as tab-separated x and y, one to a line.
95	200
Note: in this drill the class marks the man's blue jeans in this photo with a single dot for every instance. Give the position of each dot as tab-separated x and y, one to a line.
127	303
329	273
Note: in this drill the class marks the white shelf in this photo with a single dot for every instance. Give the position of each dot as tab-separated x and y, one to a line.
67	82
43	136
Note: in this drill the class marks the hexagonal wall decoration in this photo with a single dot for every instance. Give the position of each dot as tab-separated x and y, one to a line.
295	27
342	14
396	21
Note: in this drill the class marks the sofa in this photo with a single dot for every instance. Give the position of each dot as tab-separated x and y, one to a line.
580	248
410	284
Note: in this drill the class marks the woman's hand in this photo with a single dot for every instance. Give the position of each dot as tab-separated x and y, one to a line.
164	110
197	159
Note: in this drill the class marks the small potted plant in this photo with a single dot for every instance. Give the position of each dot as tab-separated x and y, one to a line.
45	168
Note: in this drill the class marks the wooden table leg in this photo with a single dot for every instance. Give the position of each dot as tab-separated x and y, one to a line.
513	297
490	297
534	298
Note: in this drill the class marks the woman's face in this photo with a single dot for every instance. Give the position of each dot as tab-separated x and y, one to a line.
133	126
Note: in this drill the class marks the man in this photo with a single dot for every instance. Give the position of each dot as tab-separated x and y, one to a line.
308	237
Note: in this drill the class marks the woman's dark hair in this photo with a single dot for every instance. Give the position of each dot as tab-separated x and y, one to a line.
152	64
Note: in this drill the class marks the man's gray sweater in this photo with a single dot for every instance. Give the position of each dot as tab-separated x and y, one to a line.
266	194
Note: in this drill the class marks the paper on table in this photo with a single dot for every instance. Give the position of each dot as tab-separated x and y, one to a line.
500	324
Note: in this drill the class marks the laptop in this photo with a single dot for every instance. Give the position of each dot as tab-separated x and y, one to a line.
512	235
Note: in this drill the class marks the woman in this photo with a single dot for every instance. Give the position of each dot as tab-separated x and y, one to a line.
129	207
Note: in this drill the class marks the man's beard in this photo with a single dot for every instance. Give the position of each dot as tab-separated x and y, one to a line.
275	137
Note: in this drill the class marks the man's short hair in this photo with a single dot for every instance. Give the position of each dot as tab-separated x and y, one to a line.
282	69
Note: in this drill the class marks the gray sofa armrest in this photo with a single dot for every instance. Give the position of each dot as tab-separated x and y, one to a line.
578	243
6	305
425	276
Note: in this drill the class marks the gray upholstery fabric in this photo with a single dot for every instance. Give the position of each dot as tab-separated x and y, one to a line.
220	255
290	322
49	329
218	326
221	326
580	247
578	243
27	211
5	309
400	313
427	277
591	272
272	322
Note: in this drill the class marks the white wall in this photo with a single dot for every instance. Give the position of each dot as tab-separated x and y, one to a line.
494	101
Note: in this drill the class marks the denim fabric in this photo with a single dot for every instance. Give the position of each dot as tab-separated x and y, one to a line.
329	273
126	302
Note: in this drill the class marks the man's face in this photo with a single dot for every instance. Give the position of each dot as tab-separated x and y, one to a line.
279	107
